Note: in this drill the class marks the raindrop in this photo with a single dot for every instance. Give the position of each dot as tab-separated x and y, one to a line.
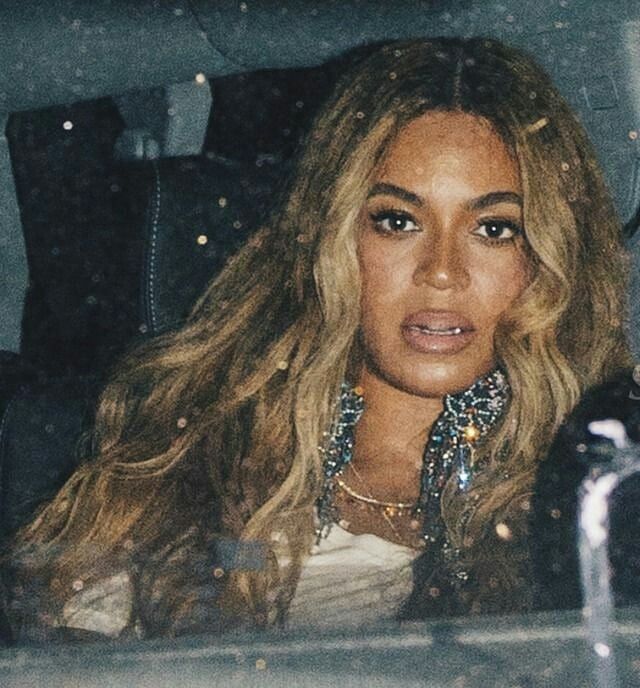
222	202
261	664
633	135
602	650
202	239
244	7
504	532
200	78
67	125
77	585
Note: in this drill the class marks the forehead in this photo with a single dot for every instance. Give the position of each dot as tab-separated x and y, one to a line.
439	149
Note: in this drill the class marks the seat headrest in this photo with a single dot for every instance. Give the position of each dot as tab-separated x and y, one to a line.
166	232
198	213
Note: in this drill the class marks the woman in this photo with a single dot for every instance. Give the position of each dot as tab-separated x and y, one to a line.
448	267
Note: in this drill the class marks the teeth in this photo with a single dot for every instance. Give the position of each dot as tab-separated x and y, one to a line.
450	331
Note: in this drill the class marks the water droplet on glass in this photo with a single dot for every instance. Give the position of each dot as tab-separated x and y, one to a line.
504	532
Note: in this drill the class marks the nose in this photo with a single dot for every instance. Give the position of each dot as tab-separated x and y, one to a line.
441	263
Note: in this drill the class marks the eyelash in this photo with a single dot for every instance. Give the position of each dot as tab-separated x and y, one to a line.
395	215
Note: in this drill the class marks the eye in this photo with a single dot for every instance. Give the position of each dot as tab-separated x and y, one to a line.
394	222
498	230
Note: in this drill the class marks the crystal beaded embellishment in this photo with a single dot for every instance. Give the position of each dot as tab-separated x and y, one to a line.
337	453
466	418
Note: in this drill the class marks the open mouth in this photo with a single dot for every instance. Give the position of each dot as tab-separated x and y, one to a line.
443	332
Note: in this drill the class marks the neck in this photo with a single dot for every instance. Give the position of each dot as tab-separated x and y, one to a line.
391	435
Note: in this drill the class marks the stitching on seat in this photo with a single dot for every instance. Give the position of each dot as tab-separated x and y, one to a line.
3	442
155	223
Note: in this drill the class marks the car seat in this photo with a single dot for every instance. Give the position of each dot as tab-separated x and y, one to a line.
192	214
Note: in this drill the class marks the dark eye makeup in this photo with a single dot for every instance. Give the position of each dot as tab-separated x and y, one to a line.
493	230
393	222
498	230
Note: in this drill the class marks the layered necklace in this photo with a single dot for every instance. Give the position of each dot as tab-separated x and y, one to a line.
466	418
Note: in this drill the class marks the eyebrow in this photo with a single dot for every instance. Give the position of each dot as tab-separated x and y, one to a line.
494	198
485	201
383	189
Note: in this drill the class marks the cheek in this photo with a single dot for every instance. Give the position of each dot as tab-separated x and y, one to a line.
499	283
385	273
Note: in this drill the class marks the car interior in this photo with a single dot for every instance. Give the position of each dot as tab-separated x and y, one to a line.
141	143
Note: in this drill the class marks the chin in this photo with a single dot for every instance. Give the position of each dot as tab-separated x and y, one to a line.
432	379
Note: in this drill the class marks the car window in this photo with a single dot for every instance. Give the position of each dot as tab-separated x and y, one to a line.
144	149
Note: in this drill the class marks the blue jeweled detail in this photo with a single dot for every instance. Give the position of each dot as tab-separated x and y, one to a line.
448	450
337	453
466	418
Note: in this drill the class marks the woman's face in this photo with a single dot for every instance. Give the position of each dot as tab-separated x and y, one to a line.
441	254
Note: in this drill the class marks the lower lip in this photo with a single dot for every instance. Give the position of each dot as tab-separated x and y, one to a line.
432	342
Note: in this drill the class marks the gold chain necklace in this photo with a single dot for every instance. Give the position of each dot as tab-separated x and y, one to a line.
390	508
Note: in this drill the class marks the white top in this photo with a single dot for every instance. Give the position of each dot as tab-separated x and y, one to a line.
348	581
351	581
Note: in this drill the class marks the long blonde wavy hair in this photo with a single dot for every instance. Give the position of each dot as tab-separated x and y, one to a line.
225	415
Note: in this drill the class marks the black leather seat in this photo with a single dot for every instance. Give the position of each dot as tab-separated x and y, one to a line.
191	215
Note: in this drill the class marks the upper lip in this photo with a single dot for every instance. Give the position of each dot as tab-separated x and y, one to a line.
437	320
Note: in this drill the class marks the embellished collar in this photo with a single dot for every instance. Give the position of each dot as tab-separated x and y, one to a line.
466	418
